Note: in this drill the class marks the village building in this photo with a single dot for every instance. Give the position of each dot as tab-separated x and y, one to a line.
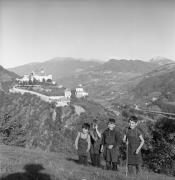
25	78
58	94
40	77
54	94
79	92
67	93
59	100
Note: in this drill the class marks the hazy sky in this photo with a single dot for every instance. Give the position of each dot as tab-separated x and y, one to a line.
43	29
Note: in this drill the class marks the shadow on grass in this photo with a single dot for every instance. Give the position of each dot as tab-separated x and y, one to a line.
32	172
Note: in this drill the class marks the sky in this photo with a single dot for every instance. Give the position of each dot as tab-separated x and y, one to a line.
36	31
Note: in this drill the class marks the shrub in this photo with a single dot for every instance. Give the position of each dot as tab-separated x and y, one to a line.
161	153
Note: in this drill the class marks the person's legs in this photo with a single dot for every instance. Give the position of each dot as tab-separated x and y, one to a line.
80	161
138	168
108	165
95	159
92	159
98	160
130	169
85	160
114	166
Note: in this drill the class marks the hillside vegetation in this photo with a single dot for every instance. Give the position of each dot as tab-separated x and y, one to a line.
28	121
160	80
7	79
124	65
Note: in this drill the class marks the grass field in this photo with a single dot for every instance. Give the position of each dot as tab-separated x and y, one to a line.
23	164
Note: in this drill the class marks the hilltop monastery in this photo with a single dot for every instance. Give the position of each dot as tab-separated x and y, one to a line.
63	96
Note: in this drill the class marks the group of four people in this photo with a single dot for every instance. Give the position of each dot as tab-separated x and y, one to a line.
90	140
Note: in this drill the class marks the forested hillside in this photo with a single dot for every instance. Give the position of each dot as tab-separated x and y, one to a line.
28	121
160	80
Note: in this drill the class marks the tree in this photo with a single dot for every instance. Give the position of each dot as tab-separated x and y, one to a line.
49	80
161	154
35	81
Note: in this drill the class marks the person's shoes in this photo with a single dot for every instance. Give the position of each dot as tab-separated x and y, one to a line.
108	168
99	165
114	167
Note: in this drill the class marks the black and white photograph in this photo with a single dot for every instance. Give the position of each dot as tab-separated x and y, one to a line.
87	89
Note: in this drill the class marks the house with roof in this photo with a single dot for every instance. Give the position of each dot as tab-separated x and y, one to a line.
80	92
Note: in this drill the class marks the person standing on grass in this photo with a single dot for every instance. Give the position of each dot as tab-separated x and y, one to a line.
95	144
134	140
110	145
82	144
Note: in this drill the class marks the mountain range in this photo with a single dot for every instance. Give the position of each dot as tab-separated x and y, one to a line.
161	60
63	67
160	81
105	81
58	67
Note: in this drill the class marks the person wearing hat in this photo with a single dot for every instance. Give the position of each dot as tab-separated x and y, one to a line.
95	144
110	145
134	139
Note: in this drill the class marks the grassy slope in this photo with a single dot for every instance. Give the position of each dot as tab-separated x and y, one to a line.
17	163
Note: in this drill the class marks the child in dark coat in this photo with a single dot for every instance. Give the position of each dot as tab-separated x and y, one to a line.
134	139
82	144
110	145
95	144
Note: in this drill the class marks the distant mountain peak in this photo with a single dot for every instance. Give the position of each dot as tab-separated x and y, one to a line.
161	60
58	67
